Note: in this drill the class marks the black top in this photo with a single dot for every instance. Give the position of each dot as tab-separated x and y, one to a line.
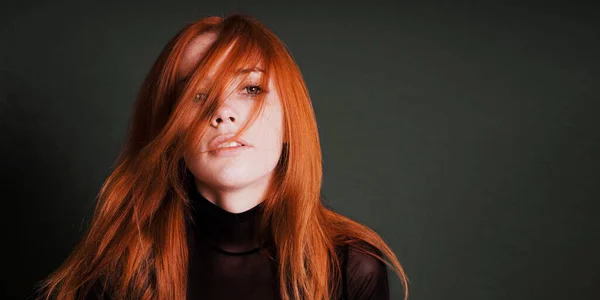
227	261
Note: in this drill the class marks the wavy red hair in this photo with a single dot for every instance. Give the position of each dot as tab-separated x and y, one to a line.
136	243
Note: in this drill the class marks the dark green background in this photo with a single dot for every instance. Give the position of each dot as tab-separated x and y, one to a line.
467	135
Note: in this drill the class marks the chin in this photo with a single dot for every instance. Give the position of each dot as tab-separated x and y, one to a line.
231	179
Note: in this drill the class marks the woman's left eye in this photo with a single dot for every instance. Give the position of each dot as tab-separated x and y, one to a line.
253	90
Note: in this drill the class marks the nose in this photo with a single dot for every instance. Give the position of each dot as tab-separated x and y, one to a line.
224	115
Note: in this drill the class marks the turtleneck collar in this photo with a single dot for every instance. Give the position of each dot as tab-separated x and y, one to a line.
227	232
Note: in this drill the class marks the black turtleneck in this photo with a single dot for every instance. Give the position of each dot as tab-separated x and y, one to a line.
228	260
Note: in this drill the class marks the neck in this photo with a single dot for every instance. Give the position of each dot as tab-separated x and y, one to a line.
234	200
229	232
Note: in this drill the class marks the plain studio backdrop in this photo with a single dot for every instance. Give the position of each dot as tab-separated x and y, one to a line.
465	134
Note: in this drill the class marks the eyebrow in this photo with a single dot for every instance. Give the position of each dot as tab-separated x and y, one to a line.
242	71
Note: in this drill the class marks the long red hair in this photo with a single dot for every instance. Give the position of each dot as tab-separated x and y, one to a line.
136	243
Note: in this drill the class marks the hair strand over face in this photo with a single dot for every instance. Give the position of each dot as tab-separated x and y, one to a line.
136	244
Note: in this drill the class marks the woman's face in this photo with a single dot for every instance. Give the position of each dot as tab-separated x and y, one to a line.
235	168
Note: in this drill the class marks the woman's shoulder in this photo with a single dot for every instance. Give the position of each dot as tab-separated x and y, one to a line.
365	276
359	259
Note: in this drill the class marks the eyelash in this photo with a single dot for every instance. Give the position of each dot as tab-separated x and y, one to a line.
260	90
246	88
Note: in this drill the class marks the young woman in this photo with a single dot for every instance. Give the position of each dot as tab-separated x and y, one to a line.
216	194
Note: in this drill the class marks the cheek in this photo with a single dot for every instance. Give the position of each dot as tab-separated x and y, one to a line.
267	136
272	127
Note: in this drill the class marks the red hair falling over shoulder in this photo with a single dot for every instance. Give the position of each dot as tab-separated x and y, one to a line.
136	244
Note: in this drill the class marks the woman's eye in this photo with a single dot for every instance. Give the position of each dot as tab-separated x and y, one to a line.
199	97
253	90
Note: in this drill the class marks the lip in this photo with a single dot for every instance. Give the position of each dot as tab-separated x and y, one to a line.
223	138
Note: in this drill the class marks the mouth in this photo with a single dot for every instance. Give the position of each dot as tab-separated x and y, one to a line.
224	142
228	149
228	145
